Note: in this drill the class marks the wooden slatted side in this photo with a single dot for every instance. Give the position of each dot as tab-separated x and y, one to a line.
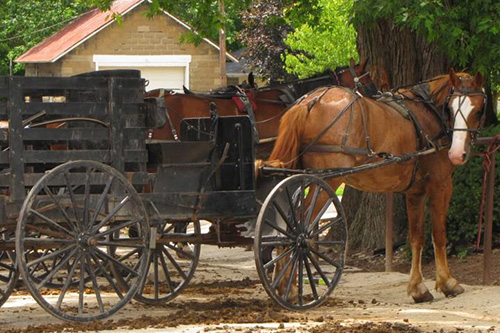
27	151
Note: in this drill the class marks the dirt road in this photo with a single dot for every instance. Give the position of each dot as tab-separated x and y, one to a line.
226	296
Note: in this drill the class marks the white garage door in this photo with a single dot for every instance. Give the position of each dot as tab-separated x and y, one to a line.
158	77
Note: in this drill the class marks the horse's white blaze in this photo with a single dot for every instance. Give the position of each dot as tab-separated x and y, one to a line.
461	107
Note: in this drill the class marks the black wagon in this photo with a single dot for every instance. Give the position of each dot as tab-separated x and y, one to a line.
94	213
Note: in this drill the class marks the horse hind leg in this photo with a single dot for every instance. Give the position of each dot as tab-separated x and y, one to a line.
415	207
439	202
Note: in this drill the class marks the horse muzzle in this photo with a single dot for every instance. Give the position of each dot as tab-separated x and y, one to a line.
459	156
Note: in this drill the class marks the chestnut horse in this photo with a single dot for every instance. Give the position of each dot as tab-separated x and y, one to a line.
267	103
335	128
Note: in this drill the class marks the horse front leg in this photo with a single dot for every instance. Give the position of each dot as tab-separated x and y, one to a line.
415	203
440	197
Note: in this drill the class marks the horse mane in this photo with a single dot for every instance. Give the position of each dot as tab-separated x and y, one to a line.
438	89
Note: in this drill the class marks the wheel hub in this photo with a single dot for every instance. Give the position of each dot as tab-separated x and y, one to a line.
85	241
302	241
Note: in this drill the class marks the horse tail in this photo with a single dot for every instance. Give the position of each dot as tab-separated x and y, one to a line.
287	146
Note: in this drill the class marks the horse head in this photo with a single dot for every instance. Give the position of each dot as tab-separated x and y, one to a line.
466	103
355	76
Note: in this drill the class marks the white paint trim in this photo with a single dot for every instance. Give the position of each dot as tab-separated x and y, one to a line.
94	33
141	60
108	60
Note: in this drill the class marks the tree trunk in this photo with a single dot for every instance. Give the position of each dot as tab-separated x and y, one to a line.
397	57
222	47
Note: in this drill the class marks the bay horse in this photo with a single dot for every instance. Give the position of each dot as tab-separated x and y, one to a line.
335	128
268	103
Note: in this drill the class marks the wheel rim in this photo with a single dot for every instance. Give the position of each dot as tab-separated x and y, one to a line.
303	221
172	263
70	218
9	274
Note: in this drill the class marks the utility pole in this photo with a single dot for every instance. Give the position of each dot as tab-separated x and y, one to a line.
222	45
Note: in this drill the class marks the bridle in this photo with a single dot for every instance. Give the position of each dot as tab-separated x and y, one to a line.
462	94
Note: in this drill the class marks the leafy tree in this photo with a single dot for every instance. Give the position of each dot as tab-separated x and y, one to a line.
265	31
23	24
327	42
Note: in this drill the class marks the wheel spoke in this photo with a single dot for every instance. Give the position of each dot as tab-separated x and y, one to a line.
278	258
86	199
56	269
156	277
50	222
292	275
176	265
311	279
326	226
325	258
68	282
120	244
283	215
291	204
61	209
106	257
319	215
106	275
181	252
283	270
314	200
50	256
94	283
119	227
301	279
318	269
167	273
167	230
112	213
100	202
81	287
277	228
73	201
8	267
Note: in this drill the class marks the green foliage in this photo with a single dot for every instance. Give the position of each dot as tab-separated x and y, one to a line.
463	214
23	24
467	31
327	41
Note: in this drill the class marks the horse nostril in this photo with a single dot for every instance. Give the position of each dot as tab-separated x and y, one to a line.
464	157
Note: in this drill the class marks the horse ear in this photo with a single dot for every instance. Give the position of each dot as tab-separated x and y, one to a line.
363	64
479	79
352	62
251	80
453	77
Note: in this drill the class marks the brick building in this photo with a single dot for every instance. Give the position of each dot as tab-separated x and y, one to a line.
95	41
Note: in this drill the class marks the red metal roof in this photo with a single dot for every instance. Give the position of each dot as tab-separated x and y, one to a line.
72	35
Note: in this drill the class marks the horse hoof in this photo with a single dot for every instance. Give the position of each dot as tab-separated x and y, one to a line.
455	291
426	297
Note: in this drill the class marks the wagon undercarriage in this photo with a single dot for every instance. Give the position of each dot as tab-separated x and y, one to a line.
95	214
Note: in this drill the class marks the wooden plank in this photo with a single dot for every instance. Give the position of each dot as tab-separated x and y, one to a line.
78	109
64	83
30	179
16	147
117	123
66	134
3	108
62	156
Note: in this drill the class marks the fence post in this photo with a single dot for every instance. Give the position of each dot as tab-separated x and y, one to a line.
389	227
488	226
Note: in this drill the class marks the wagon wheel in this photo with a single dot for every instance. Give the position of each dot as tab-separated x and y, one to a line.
172	263
303	220
67	217
9	274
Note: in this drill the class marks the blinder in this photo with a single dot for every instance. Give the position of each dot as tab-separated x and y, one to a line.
461	93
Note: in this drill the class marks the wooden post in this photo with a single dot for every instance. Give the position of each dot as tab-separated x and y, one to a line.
488	226
222	46
389	227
